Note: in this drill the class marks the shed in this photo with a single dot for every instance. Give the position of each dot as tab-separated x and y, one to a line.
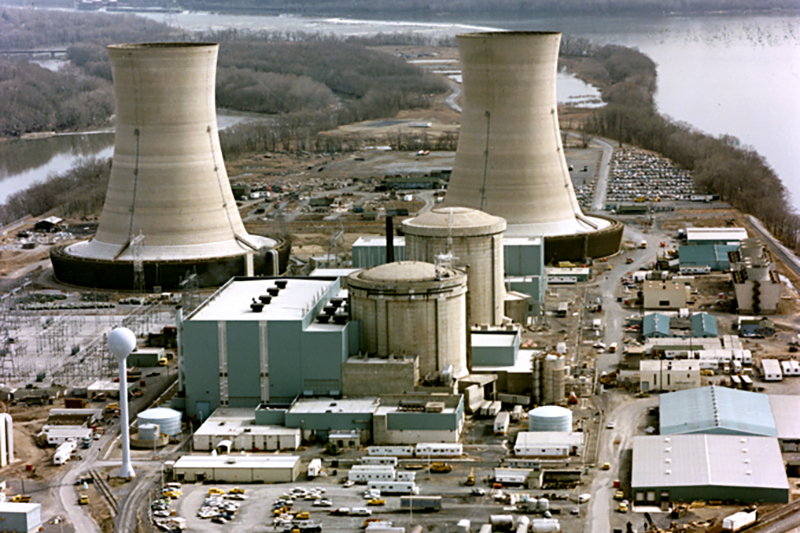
146	357
238	468
48	224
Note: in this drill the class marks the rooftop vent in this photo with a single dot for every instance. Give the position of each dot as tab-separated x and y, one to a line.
329	309
323	319
265	299
256	307
337	302
273	291
340	319
281	283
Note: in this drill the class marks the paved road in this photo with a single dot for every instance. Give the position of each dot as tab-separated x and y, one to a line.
600	190
453	96
786	255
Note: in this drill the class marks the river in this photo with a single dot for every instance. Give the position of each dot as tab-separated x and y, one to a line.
723	74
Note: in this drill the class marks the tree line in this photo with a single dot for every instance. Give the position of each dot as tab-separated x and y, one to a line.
739	175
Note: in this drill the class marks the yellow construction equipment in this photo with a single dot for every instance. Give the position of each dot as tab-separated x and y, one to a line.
440	468
471	477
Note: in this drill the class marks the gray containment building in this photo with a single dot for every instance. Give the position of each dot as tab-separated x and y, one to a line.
476	240
169	202
510	160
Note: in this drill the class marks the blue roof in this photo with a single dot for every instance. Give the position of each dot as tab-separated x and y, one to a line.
712	255
703	325
717	410
655	325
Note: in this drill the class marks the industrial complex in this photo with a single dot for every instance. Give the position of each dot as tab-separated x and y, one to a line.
497	361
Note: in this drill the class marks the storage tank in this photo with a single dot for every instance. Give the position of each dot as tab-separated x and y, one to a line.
550	418
169	202
545	525
413	308
148	431
553	376
475	239
542	505
168	420
510	159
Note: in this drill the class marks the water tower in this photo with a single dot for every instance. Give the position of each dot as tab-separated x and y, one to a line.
121	342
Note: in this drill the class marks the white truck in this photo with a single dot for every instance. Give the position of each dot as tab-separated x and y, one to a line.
738	521
64	452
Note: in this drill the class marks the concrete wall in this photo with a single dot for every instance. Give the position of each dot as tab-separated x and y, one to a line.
375	376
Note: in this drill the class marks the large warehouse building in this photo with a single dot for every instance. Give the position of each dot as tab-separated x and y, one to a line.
685	468
237	468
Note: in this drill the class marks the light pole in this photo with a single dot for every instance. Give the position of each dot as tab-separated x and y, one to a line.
121	342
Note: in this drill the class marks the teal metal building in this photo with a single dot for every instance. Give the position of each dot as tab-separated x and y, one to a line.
655	325
703	325
714	256
495	348
370	251
716	410
235	352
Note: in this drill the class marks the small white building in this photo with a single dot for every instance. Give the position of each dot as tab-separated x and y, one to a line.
669	375
104	387
57	435
238	468
771	369
512	476
21	517
367	473
548	444
790	368
238	426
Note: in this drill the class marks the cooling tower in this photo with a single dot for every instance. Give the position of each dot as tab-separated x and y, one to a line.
510	160
168	180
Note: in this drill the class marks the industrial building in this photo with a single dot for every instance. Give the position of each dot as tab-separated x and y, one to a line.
237	468
21	517
548	444
370	250
510	159
716	410
787	424
655	325
668	376
686	468
169	208
238	426
700	236
664	294
712	256
755	279
276	339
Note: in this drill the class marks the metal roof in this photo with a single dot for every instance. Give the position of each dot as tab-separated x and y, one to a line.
707	460
655	324
706	254
784	410
716	410
237	461
715	234
703	325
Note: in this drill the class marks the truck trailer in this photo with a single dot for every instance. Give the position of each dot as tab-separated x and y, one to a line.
421	503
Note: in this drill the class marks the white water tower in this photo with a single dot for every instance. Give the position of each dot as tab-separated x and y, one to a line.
121	342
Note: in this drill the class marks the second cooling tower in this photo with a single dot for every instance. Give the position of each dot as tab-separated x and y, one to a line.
169	202
510	161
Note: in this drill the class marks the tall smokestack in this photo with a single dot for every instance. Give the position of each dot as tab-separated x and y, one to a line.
510	160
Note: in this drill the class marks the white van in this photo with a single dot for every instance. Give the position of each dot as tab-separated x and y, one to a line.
360	511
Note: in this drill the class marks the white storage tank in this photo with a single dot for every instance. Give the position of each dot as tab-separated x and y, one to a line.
168	420
550	418
545	525
148	431
413	308
475	239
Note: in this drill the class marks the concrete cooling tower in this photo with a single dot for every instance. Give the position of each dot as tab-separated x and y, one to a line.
169	202
510	160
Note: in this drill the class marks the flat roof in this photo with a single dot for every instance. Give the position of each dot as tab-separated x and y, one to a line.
716	410
523	364
10	507
239	461
335	405
522	241
232	302
332	272
232	421
715	234
377	240
549	438
494	339
707	460
784	411
651	365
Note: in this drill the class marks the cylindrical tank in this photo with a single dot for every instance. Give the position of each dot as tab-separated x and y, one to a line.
502	522
148	431
168	180
545	525
550	418
413	308
553	376
475	239
168	420
510	159
543	504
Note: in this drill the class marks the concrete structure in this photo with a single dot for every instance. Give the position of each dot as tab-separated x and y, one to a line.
237	468
755	279
661	375
716	410
413	308
168	420
475	239
495	347
548	444
239	426
510	160
550	418
273	355
21	517
664	295
372	376
554	373
685	468
168	181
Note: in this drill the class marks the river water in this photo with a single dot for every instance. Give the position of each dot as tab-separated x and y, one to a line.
723	74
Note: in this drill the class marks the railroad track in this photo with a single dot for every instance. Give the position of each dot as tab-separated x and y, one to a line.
105	491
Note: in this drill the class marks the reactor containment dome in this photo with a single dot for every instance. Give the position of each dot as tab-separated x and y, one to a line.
510	160
169	209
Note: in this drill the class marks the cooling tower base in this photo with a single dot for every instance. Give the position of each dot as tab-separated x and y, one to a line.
166	274
579	246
